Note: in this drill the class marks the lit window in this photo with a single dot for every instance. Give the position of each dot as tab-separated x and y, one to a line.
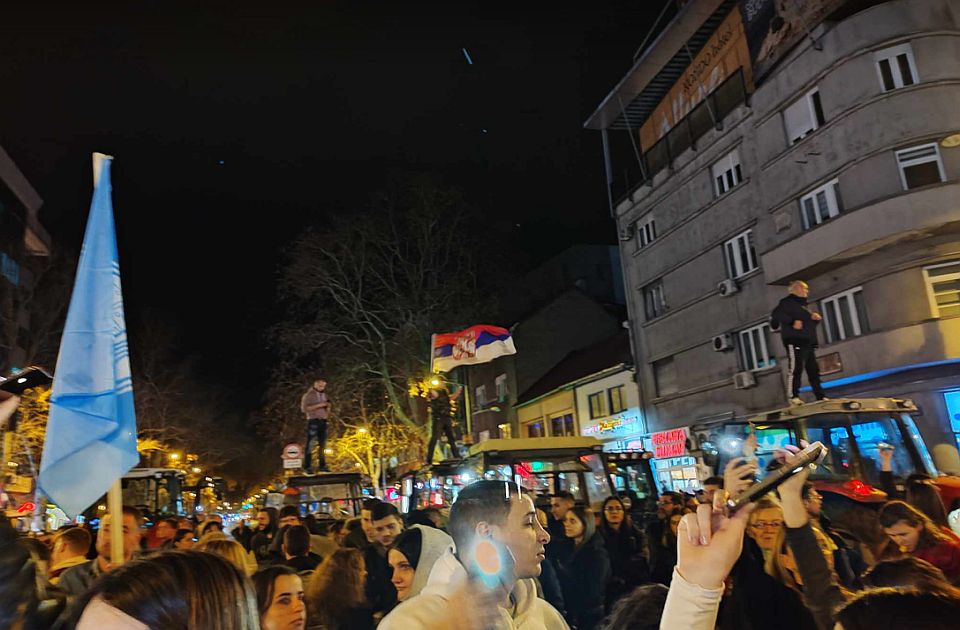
646	232
597	408
616	397
821	204
844	315
562	426
803	116
726	173
895	67
740	254
756	351
654	303
920	166
943	288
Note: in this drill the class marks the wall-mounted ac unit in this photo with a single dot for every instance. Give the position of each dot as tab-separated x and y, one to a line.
728	287
744	380
723	342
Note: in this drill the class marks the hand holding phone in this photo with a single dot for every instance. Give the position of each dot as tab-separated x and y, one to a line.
812	454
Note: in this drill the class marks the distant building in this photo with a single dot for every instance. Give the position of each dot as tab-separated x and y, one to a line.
22	238
816	140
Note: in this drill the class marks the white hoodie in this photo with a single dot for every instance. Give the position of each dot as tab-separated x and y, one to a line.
448	576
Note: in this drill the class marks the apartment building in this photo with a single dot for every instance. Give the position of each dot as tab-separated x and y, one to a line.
774	143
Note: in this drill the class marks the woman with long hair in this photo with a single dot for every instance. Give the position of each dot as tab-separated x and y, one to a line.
233	552
626	547
280	598
666	556
584	576
172	589
912	532
335	594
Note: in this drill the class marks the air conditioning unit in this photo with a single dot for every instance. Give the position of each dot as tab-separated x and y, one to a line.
723	342
728	287
744	380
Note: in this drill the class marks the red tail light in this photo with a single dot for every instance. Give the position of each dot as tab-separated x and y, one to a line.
858	487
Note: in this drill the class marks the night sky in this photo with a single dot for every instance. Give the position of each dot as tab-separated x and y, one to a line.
236	126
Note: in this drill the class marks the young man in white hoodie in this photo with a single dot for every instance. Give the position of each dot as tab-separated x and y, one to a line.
486	511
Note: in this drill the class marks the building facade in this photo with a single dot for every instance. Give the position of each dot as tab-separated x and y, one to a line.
828	151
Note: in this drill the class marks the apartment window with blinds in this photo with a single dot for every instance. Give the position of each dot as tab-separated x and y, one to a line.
654	303
756	349
821	204
804	116
646	232
943	288
844	315
740	254
597	408
726	173
896	67
920	166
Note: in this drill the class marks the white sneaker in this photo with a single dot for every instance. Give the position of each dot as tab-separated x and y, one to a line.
796	402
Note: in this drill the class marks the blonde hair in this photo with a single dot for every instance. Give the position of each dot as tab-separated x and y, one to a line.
230	550
774	567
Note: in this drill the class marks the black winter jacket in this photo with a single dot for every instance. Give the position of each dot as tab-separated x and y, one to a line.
627	550
584	580
790	309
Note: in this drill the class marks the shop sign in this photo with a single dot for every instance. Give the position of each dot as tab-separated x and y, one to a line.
672	443
619	425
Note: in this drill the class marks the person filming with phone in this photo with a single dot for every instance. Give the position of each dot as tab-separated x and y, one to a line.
487	581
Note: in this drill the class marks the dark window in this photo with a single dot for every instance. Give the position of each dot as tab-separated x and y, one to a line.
562	425
617	401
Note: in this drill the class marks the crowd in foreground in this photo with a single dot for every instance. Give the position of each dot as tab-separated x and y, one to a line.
500	562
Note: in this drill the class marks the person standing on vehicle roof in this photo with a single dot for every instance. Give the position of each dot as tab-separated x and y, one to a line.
316	407
441	415
798	329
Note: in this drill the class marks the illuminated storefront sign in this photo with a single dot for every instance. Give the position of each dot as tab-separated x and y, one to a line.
606	429
672	443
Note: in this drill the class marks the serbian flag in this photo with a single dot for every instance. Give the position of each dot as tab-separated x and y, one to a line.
477	344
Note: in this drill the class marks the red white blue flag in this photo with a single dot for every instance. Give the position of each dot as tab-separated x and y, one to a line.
477	344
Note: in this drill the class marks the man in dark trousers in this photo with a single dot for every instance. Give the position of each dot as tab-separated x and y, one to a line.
798	329
316	407
441	415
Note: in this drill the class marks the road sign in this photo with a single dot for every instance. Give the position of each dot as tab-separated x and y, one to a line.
292	451
293	463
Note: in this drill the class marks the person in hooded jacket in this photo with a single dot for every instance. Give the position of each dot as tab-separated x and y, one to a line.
626	546
412	557
798	328
584	576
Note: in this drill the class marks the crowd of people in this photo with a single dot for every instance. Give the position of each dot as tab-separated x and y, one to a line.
502	559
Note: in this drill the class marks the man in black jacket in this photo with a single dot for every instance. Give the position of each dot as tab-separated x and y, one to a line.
798	329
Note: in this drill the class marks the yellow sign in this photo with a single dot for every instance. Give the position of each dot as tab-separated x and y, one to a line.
724	53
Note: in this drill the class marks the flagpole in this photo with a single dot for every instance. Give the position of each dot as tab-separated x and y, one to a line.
433	339
115	494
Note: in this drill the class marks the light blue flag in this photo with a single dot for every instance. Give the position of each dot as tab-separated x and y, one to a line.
92	429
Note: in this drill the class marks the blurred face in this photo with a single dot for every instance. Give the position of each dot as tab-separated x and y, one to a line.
665	505
164	531
800	289
387	529
366	523
572	526
403	573
559	507
613	513
319	384
764	527
675	523
523	535
185	543
289	520
904	535
287	610
263	520
131	537
185	523
814	503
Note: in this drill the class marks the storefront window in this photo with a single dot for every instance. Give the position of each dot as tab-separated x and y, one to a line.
677	474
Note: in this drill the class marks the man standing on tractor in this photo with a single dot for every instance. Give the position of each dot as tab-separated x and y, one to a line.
798	329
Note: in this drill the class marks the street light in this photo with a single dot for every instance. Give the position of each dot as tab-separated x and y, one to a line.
362	430
328	451
435	381
195	469
174	456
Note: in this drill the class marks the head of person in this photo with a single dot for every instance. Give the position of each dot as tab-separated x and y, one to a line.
579	524
924	495
613	515
499	512
337	586
185	523
433	515
280	598
210	527
906	572
267	519
334	530
230	550
289	515
18	580
799	288
666	503
319	384
908	528
812	499
166	528
560	503
895	608
366	518
296	541
641	609
711	485
782	565
387	523
765	523
70	543
131	521
184	539
403	558
172	589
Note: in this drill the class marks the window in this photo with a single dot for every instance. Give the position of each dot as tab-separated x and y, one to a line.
952	400
920	166
756	351
895	67
726	173
646	232
505	432
501	384
943	288
803	116
597	406
665	376
844	315
535	429
480	397
9	269
654	304
740	255
821	205
561	426
617	399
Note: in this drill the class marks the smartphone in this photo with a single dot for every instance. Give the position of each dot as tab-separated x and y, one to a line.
812	454
26	379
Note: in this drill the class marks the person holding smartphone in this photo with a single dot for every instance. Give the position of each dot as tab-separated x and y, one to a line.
488	581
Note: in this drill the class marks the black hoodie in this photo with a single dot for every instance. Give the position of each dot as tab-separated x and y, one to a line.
790	309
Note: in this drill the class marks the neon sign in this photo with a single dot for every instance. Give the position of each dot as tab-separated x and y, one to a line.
672	443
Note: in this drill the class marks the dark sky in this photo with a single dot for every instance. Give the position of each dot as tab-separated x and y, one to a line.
236	125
